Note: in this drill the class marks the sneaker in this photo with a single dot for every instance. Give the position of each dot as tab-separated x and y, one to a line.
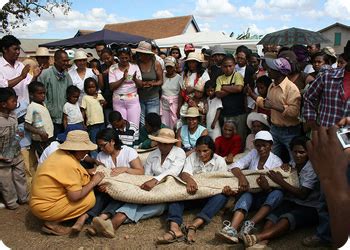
247	228
315	241
228	232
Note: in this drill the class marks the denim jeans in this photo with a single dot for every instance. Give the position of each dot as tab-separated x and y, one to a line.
210	206
256	200
282	136
149	106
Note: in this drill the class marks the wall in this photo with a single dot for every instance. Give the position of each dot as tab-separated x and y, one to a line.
345	36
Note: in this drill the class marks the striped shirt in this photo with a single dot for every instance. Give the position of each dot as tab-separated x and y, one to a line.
324	100
129	135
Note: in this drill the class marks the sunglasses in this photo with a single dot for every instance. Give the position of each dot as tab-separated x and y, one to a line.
124	49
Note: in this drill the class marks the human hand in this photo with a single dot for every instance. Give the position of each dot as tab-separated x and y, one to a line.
102	188
229	158
118	171
96	71
228	191
97	177
243	184
263	183
268	104
275	177
126	71
212	126
148	185
25	71
44	136
191	186
249	91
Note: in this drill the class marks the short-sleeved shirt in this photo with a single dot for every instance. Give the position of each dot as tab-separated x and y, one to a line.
73	113
93	109
251	161
171	86
38	116
189	140
172	165
125	156
128	86
308	179
233	103
193	165
129	135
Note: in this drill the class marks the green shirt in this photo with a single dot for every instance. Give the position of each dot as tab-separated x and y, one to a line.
144	141
56	84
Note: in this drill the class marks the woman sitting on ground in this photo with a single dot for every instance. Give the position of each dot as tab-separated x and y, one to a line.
166	160
299	208
266	200
255	122
189	133
204	160
62	189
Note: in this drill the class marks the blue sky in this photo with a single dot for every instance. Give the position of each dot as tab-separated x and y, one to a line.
261	16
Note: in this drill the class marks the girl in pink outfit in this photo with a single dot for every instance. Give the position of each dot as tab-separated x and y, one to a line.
124	78
170	93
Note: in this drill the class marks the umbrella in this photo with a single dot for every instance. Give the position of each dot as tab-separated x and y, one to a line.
90	40
293	36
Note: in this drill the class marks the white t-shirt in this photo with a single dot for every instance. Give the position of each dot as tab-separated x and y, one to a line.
125	156
213	105
251	161
73	113
38	116
171	86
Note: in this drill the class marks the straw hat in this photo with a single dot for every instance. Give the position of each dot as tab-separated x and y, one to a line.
195	56
264	136
254	116
80	55
192	112
78	140
329	51
165	135
169	61
144	47
42	51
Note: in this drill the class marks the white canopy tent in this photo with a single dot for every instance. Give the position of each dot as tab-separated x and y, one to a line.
206	38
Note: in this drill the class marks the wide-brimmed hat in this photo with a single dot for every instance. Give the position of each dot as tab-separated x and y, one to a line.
329	51
165	135
78	140
194	56
192	112
80	55
263	135
281	65
254	116
218	50
144	47
42	51
169	61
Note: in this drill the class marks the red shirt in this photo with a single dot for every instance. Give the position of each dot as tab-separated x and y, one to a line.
225	146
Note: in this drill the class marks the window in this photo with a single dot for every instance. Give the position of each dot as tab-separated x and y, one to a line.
337	39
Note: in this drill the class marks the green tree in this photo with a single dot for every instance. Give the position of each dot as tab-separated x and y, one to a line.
14	13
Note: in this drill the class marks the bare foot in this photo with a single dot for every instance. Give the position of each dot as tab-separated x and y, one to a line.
191	234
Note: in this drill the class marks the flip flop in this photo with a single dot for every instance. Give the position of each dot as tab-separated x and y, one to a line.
193	228
173	239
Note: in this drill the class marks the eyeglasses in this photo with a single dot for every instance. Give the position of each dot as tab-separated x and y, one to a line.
124	49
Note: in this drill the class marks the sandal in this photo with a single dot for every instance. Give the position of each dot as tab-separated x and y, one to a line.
57	230
174	238
77	228
249	240
188	229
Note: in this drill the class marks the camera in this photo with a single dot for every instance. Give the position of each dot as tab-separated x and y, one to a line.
344	136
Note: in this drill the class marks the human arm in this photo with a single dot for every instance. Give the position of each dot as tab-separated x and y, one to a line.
43	135
74	196
243	184
191	185
13	82
232	88
65	120
136	168
114	82
99	77
159	73
216	118
178	137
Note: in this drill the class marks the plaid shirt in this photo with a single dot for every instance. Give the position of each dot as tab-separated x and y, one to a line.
324	100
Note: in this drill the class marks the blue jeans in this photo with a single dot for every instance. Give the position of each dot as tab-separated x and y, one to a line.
282	136
102	200
149	106
210	207
256	200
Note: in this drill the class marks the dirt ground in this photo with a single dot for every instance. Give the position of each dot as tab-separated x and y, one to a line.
21	230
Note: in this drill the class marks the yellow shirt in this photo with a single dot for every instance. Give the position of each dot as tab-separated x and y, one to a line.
93	109
287	94
237	79
61	172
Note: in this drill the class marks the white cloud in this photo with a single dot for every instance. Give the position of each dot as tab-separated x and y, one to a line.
210	8
162	14
260	4
255	30
292	4
246	12
338	9
36	27
204	26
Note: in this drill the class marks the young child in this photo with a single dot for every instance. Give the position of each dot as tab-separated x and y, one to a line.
92	108
72	116
214	110
152	126
38	120
229	144
262	85
299	208
266	200
128	132
170	92
13	184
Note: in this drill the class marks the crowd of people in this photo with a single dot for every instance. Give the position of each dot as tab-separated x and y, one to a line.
206	111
